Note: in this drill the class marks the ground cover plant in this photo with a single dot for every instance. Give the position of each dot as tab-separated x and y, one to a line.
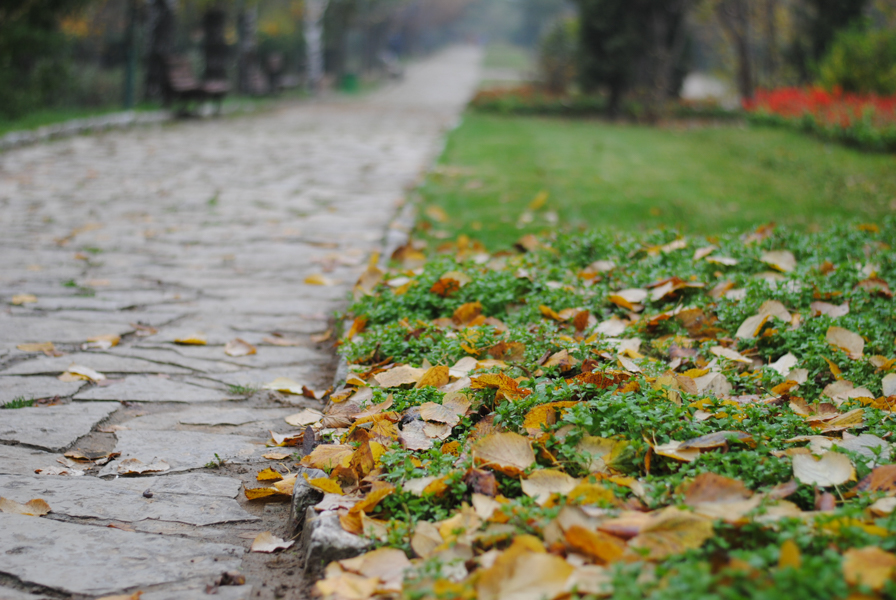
864	120
502	177
607	414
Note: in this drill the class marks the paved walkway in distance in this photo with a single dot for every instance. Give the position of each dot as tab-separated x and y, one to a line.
153	235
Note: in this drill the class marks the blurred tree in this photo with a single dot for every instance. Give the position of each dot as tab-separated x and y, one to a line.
632	43
736	18
537	15
33	68
817	24
861	61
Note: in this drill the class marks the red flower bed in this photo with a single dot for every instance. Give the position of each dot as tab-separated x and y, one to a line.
868	121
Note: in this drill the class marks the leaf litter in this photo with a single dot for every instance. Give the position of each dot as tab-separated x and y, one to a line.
597	412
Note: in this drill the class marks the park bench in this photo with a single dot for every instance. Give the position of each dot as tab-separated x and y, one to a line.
181	85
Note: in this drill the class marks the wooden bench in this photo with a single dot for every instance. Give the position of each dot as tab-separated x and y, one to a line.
181	85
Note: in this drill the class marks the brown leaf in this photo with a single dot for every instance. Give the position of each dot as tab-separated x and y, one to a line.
481	482
507	387
509	351
380	490
466	313
329	456
400	375
521	574
881	479
709	487
509	453
413	437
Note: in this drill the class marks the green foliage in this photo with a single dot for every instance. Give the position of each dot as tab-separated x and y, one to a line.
557	55
817	24
861	61
18	402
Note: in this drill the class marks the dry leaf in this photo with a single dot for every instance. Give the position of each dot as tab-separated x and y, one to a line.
782	260
46	347
32	508
426	539
673	531
285	385
832	469
20	299
600	452
135	466
544	483
308	416
846	340
602	547
869	566
400	375
268	475
318	279
194	339
888	384
329	456
790	555
523	575
239	347
434	377
507	452
267	542
730	354
84	373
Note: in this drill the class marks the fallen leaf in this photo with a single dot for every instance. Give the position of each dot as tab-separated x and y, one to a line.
509	453
308	416
20	299
426	539
881	479
239	347
325	485
789	555
772	308
329	456
388	565
267	542
32	508
135	466
832	469
600	453
268	475
782	260
102	342
542	484
672	531
433	377
84	373
709	487
318	279
869	566
285	385
400	375
45	347
523	575
194	339
730	354
832	310
849	342
888	384
602	547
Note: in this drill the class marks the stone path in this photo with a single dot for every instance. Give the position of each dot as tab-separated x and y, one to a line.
153	235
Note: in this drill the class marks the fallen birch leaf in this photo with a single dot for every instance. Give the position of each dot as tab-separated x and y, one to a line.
507	452
672	531
267	542
730	354
309	416
285	385
194	339
400	375
239	347
84	373
20	299
831	469
869	566
524	575
318	279
135	466
782	260
544	483
846	340
32	508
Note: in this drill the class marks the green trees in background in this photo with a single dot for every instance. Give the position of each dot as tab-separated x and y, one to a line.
861	61
32	48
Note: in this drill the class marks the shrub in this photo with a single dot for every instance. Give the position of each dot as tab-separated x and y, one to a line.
557	55
861	62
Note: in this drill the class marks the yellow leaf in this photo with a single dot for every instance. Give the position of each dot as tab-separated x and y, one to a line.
194	339
523	575
20	299
380	490
869	566
790	555
324	484
434	377
267	542
540	199
318	279
400	375
268	475
45	347
262	492
328	456
600	452
602	547
782	260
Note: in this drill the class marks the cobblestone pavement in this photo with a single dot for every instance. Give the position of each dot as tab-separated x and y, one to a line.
153	235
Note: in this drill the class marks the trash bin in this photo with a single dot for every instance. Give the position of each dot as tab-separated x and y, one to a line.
350	83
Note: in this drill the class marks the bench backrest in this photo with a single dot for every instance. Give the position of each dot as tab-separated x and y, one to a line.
180	74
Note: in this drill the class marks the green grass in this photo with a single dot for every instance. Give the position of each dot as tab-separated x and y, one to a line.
507	56
44	117
19	402
703	180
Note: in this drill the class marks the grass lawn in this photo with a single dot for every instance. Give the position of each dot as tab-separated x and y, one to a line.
701	180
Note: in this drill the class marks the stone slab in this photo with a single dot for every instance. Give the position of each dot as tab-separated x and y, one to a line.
19	460
82	559
183	450
61	331
33	388
192	484
99	361
151	388
150	350
53	428
208	416
228	592
8	593
92	498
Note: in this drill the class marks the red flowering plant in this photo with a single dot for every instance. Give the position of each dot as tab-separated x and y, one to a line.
867	121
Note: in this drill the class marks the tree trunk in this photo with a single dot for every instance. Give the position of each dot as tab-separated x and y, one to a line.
734	15
247	51
314	34
160	43
214	24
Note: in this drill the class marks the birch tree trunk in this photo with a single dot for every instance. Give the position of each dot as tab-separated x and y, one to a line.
314	34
